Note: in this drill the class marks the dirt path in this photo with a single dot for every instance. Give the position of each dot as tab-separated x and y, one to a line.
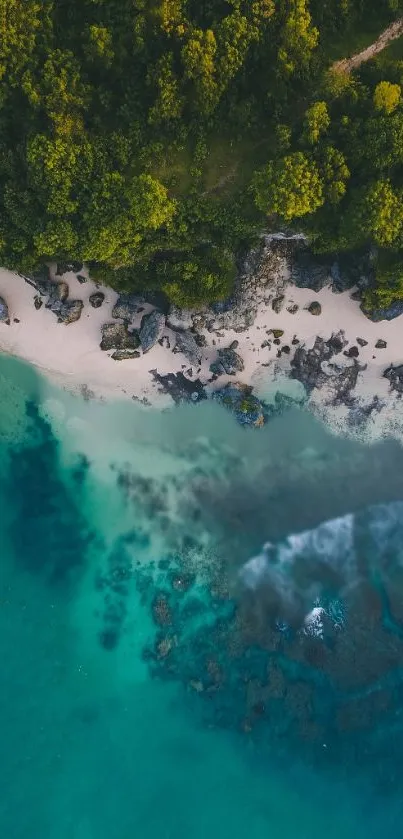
395	30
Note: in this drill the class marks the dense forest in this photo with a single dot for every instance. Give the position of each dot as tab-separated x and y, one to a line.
155	139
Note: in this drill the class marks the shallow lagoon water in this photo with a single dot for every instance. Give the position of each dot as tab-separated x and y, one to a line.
123	530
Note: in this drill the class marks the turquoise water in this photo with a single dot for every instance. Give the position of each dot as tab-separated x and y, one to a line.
139	696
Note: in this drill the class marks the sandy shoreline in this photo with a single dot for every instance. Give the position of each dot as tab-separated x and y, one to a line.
71	356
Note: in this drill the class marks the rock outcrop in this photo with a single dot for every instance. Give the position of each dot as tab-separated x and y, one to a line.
238	398
315	367
395	376
4	313
116	336
228	361
127	306
97	299
151	330
187	345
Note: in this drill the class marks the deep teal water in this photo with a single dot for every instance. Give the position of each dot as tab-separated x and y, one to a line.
135	699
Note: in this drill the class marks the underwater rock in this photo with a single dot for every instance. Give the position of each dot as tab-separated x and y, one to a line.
187	345
238	399
116	336
97	299
228	361
161	610
4	314
179	387
151	329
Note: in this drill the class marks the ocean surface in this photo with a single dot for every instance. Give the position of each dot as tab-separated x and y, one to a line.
201	626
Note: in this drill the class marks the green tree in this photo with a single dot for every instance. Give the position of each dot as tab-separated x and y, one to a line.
290	188
387	97
299	37
316	123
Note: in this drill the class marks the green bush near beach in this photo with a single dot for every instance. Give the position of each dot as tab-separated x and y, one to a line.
155	139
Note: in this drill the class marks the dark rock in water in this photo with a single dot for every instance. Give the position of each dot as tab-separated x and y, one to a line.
381	345
116	336
4	314
388	313
186	344
127	306
179	387
306	367
228	362
151	330
293	309
315	308
162	612
69	312
362	342
395	376
97	299
123	355
109	639
63	267
277	303
352	352
238	398
308	271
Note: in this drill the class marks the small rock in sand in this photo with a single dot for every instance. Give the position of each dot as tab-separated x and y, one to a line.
97	299
315	308
277	333
352	352
381	345
151	330
293	309
362	342
38	303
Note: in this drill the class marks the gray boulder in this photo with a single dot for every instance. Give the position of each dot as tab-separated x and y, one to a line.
239	399
70	311
187	345
308	271
127	306
123	355
228	362
57	296
4	314
97	299
116	336
151	330
315	308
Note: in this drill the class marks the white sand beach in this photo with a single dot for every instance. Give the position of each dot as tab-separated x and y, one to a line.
71	356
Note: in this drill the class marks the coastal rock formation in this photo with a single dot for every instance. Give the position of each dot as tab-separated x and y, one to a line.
69	312
179	387
238	398
395	376
4	315
228	361
308	271
63	267
387	313
116	336
127	306
151	330
315	367
97	299
124	355
187	345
